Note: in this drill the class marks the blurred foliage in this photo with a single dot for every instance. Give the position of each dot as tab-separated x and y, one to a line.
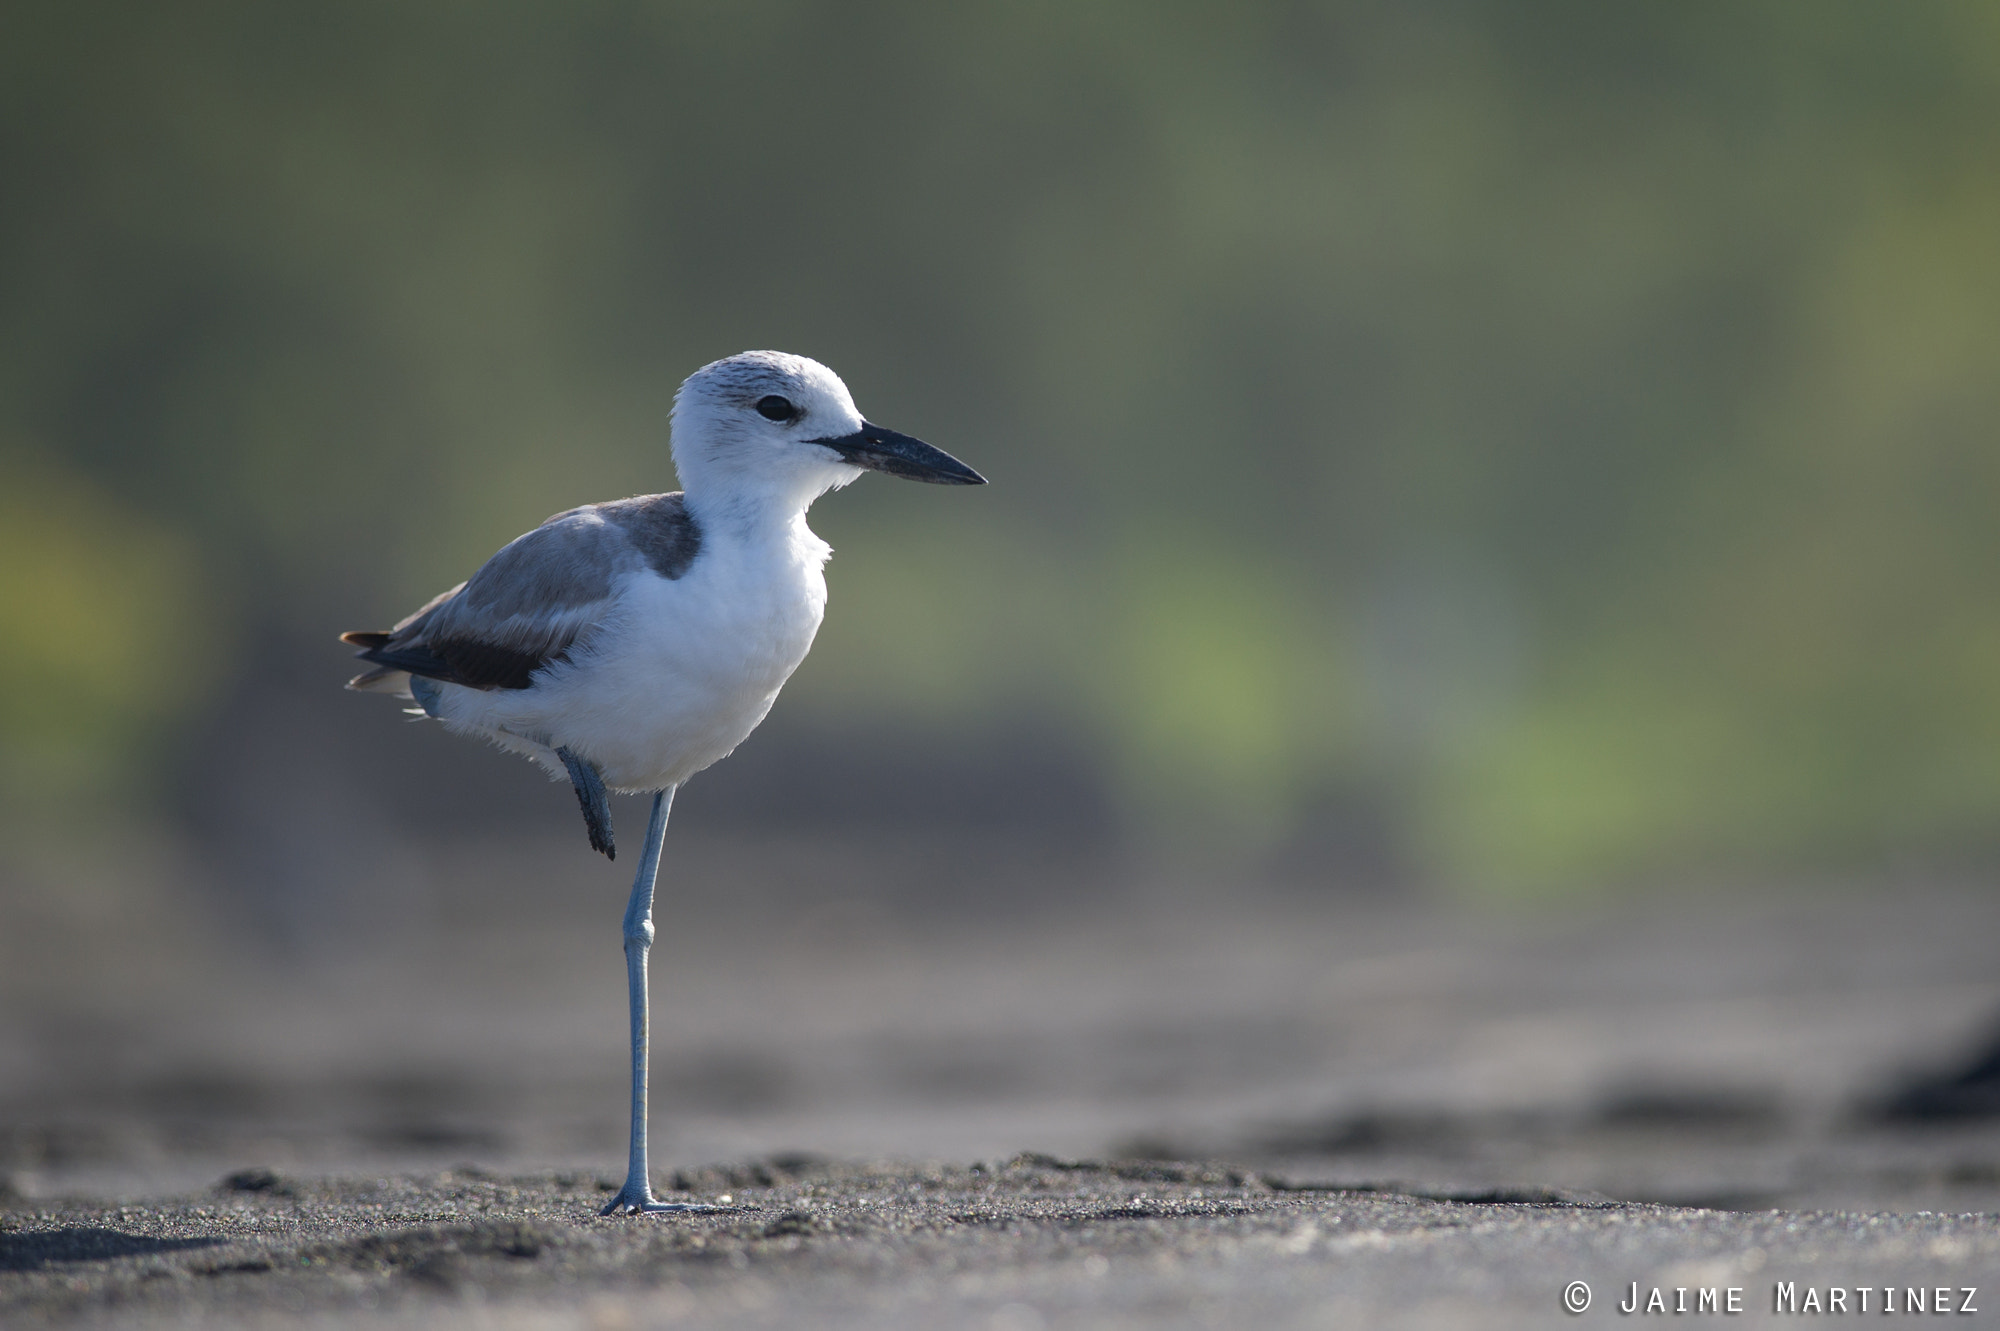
1571	425
89	689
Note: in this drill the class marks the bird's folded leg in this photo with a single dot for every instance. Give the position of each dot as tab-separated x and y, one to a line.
596	808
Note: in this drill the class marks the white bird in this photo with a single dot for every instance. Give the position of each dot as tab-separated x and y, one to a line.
630	644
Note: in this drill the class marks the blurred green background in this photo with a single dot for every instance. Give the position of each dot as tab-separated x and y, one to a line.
1523	447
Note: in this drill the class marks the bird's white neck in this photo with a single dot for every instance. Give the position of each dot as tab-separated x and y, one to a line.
772	512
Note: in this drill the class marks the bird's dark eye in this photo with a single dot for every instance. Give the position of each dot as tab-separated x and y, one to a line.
775	408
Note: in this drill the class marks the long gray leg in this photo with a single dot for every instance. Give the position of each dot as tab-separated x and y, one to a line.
596	808
637	1194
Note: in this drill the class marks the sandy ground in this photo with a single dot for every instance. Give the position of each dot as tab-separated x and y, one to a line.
1277	1108
1029	1243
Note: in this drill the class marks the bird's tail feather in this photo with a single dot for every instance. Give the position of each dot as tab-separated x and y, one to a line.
384	679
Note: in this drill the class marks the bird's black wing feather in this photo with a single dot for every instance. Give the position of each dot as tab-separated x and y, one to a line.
476	665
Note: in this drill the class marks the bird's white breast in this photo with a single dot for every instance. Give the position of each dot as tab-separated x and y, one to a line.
680	671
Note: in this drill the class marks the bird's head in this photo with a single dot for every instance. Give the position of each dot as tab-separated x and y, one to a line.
764	422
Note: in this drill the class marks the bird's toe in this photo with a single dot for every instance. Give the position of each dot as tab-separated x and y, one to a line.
633	1201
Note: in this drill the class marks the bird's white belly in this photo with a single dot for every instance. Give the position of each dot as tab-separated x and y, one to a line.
675	680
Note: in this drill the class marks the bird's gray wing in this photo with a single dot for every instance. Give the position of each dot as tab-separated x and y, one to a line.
530	604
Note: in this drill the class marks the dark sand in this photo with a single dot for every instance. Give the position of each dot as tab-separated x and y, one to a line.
1408	1114
1028	1243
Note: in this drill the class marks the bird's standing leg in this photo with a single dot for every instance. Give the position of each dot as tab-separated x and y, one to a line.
637	1194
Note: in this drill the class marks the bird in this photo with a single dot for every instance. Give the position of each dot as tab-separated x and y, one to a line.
625	646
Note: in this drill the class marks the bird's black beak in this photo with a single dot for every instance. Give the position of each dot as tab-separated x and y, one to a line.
878	449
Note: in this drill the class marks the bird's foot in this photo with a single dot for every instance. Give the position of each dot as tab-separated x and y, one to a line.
639	1200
